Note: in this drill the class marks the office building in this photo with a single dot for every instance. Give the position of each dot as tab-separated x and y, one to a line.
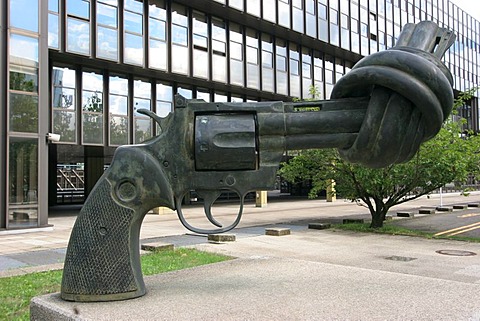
81	68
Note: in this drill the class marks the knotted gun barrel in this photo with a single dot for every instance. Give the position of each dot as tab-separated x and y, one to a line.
380	113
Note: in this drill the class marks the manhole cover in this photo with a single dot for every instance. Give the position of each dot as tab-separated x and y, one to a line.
456	252
401	258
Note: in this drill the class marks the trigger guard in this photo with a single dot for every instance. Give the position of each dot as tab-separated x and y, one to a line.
181	217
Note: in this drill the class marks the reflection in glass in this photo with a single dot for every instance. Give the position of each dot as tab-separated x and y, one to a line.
64	123
118	104
237	4
78	36
107	43
133	49
253	7
187	93
23	18
118	130
164	101
79	8
163	108
284	13
23	113
23	182
63	88
23	50
23	78
143	130
106	15
158	54
92	128
157	29
53	5
270	10
133	22
92	108
134	5
180	59
63	99
52	30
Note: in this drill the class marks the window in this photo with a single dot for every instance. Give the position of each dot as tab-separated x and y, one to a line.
270	10
318	72
133	32
236	55
219	51
141	100
297	15
158	36
281	67
253	7
322	22
180	40
118	110
311	23
107	30
23	181
345	31
200	45
53	24
64	104
268	83
237	4
25	19
78	26
284	13
294	68
92	108
307	77
253	67
164	99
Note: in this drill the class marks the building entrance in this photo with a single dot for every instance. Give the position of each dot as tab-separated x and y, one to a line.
74	170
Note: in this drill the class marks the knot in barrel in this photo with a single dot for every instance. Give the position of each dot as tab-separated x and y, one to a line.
410	94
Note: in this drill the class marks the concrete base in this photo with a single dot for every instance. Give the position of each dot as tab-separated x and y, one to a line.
268	288
277	231
405	214
221	237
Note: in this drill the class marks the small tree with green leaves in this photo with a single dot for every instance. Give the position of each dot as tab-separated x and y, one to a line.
449	157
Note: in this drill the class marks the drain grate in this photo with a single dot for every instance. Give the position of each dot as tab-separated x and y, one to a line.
400	258
456	252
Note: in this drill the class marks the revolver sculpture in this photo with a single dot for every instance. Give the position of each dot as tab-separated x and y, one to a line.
379	114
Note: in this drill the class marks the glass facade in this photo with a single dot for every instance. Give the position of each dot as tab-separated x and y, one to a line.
105	59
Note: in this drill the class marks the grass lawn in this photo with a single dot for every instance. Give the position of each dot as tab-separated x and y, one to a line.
395	230
17	291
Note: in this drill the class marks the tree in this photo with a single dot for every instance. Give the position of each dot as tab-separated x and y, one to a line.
449	157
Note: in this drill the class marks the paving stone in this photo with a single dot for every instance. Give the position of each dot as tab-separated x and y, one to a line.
405	214
157	247
275	231
444	208
319	226
221	237
353	220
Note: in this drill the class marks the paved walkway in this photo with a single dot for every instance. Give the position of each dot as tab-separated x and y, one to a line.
41	249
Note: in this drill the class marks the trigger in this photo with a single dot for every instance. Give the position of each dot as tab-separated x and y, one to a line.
209	199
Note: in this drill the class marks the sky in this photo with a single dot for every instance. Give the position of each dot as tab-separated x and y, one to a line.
472	7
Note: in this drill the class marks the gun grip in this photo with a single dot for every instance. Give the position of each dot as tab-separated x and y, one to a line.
103	260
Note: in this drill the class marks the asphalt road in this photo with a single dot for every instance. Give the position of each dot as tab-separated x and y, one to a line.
456	223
